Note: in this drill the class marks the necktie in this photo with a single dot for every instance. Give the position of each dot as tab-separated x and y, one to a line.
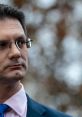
3	109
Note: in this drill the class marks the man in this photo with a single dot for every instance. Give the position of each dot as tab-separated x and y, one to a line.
14	45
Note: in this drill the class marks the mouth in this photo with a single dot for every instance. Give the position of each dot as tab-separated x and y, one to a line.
16	67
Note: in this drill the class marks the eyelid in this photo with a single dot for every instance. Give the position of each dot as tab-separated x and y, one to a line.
4	42
21	38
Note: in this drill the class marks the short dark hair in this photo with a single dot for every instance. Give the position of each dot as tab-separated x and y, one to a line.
7	11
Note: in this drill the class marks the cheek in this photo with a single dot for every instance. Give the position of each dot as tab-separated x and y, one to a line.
25	57
25	54
3	60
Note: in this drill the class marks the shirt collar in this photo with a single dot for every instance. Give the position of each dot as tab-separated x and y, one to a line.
18	102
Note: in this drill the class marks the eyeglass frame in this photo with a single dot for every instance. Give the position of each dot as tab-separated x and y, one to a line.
8	43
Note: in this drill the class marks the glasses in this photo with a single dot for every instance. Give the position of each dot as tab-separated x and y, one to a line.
20	43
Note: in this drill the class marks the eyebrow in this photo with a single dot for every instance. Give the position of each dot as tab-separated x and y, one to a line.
4	40
17	37
21	36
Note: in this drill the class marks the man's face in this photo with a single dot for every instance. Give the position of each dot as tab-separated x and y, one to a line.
13	60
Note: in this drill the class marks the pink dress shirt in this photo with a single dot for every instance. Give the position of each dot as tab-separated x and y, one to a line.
18	104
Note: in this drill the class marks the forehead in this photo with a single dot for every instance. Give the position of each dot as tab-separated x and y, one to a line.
10	27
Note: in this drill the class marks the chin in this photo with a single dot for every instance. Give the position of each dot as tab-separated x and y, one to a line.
14	76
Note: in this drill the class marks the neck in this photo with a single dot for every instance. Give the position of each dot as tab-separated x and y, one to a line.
7	90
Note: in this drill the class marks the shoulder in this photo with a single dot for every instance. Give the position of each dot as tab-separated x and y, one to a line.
56	113
43	110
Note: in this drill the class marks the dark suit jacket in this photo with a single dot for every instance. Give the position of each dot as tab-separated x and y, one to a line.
35	109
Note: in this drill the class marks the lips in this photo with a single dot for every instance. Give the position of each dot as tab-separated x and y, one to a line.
15	66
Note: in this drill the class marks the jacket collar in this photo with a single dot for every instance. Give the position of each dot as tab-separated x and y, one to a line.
34	109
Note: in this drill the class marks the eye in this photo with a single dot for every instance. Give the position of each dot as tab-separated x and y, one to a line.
4	44
20	43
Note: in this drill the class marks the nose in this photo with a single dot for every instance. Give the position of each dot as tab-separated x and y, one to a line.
14	52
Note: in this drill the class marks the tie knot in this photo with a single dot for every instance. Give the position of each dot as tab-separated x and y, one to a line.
3	108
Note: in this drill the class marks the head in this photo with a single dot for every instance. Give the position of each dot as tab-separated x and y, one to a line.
14	44
14	13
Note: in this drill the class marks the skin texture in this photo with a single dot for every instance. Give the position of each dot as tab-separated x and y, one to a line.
13	62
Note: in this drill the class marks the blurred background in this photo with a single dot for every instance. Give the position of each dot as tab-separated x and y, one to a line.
54	77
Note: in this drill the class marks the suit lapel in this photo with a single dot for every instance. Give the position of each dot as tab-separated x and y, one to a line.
34	109
32	113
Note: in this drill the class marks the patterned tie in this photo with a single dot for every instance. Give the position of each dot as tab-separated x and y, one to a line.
3	109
